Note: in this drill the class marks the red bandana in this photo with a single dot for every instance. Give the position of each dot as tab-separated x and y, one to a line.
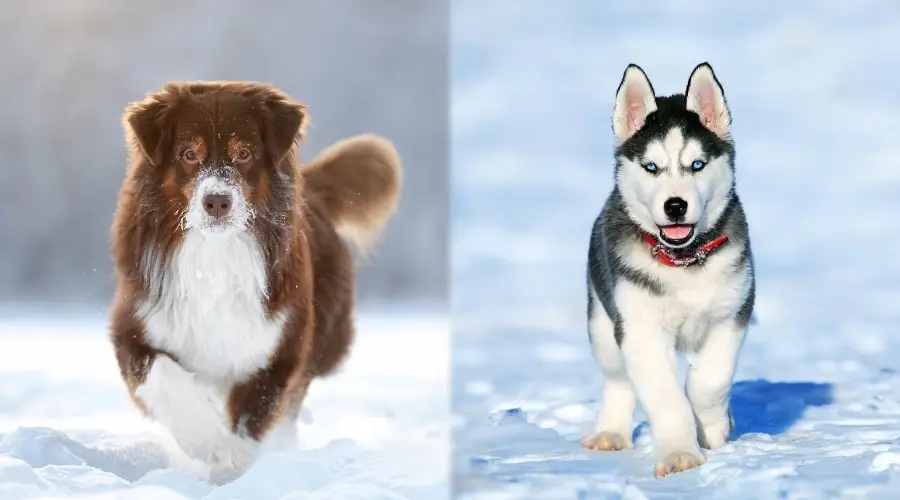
665	256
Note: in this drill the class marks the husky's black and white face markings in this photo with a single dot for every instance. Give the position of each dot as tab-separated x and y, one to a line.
674	194
674	155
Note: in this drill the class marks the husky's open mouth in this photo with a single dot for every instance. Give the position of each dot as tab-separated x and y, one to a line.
676	234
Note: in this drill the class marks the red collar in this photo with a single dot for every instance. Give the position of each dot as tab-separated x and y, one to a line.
662	253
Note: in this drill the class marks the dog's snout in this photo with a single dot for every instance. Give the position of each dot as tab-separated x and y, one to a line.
675	208
217	205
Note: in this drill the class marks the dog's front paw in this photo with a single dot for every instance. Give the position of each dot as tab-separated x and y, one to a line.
253	409
713	433
231	459
679	461
220	475
606	441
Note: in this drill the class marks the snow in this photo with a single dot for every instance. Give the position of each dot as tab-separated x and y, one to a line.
813	93
377	429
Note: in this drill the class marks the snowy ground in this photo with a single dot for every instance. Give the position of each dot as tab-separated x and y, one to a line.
813	93
377	430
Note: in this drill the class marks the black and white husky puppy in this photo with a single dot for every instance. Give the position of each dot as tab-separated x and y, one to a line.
669	270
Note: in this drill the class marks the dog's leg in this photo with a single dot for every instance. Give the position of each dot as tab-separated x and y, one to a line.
649	354
259	403
194	414
133	355
709	382
614	426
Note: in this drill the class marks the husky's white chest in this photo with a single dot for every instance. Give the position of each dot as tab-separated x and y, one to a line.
696	298
211	313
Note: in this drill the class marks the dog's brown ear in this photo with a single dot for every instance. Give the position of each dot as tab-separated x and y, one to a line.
284	123
148	125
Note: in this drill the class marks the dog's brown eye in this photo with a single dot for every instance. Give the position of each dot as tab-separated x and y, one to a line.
243	156
190	156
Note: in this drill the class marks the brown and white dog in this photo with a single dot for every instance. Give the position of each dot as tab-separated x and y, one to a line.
235	288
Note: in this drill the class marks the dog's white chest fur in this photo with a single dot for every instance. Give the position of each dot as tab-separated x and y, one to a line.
694	299
211	314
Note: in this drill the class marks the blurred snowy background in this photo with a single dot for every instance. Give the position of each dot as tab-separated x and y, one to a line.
69	69
814	90
375	430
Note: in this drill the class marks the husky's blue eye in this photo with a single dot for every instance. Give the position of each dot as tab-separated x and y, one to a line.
650	167
698	165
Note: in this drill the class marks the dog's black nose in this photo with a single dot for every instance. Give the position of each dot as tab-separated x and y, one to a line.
217	205
675	208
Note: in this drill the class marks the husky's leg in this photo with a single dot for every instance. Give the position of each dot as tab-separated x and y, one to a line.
615	423
649	354
709	382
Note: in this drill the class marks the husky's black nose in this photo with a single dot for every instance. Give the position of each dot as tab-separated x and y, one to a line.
675	208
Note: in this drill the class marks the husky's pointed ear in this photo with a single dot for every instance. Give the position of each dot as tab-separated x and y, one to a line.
706	98
635	100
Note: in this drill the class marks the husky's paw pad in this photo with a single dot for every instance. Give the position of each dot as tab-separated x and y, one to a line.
678	462
606	441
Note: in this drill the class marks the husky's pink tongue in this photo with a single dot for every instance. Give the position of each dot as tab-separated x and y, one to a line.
678	232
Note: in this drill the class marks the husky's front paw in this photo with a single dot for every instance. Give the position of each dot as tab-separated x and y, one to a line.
714	433
606	441
679	461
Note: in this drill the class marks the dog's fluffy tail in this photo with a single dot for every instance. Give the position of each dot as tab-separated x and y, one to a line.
356	182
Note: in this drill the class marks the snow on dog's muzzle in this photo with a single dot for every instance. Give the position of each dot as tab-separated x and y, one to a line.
217	205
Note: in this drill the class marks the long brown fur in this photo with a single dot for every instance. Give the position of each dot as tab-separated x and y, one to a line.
357	182
353	185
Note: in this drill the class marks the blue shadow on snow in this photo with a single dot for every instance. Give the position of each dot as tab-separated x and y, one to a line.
773	407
